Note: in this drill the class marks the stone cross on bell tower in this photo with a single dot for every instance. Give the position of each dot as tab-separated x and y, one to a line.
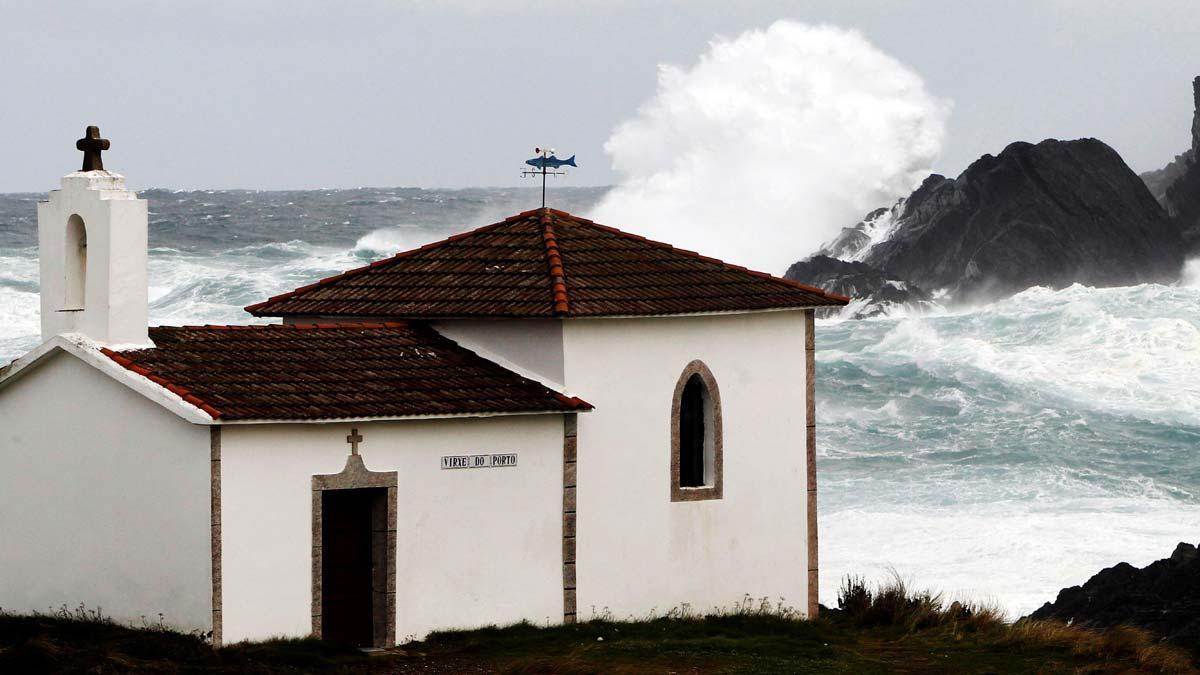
91	144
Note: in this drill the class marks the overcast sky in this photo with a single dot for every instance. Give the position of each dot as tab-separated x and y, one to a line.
298	94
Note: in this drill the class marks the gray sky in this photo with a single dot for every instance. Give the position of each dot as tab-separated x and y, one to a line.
299	94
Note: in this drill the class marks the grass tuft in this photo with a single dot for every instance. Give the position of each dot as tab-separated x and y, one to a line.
893	603
1117	644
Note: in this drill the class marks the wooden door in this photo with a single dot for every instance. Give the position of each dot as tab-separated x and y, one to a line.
347	614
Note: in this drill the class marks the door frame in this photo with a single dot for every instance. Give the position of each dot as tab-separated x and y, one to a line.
383	546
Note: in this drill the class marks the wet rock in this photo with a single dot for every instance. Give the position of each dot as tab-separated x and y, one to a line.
1163	598
1050	214
1183	195
873	293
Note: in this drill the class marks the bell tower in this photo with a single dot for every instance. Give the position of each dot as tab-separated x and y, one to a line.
92	251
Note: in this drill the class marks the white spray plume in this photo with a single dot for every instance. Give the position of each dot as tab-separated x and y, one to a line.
1191	273
771	143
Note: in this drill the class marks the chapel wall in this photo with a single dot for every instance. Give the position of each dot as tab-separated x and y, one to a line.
109	497
475	546
637	550
531	347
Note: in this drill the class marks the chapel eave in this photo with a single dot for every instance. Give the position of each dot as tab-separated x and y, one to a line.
80	347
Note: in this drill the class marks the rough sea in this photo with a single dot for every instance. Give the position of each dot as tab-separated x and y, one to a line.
996	454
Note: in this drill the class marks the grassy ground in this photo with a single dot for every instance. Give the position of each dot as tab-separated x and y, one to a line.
885	631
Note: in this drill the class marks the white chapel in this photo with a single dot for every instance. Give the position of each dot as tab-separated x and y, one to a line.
541	419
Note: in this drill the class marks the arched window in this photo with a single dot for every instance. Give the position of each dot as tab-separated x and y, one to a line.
696	456
75	264
692	432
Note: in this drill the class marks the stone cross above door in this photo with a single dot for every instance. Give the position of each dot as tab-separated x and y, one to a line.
354	439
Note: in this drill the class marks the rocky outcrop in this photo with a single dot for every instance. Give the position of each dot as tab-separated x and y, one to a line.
1163	598
1177	185
1050	214
1160	179
1196	117
873	293
1182	196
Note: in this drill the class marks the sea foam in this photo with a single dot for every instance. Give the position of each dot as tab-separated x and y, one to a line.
1007	451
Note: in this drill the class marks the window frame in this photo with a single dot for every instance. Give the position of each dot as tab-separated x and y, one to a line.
715	489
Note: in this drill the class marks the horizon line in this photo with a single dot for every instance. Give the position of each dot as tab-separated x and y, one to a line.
338	189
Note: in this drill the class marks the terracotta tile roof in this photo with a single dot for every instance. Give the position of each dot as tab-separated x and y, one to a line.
331	371
544	263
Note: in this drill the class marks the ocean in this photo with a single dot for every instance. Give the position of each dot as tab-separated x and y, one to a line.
995	454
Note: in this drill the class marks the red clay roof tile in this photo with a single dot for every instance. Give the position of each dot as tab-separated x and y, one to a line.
544	263
333	371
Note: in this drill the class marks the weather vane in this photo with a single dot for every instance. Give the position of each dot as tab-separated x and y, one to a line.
546	164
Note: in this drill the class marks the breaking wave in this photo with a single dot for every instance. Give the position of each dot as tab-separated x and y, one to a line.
770	143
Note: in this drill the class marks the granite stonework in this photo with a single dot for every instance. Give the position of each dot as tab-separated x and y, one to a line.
355	476
215	526
810	458
716	489
570	476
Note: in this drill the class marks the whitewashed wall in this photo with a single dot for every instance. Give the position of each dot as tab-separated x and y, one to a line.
638	551
104	499
476	546
115	220
532	347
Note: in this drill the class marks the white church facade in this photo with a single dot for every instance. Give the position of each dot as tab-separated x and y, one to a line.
541	419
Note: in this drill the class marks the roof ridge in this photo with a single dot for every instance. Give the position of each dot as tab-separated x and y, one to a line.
558	277
181	392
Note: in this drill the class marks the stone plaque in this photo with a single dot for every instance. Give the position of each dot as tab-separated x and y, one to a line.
479	461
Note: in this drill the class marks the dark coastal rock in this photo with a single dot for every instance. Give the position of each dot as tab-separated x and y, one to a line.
1050	214
1177	185
1163	598
1196	117
862	282
1182	197
1160	179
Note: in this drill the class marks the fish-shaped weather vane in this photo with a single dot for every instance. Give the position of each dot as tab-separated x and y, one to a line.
546	164
551	162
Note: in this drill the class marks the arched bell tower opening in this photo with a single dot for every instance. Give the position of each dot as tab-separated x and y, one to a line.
75	265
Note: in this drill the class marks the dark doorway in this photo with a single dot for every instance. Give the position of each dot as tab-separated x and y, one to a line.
353	565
